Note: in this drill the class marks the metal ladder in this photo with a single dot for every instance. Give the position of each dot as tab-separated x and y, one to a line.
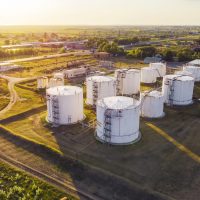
55	111
171	93
108	115
95	92
120	76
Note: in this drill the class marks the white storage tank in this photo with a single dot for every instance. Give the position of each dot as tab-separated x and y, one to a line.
42	82
160	67
65	105
128	81
99	87
54	82
118	120
152	104
194	70
178	89
148	75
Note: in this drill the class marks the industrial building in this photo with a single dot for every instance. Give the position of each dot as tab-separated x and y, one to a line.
71	73
178	89
99	87
118	120
65	105
128	81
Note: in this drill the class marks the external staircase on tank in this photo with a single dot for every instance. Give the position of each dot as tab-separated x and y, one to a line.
108	116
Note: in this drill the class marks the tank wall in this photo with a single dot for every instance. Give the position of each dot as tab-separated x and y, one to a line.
195	72
160	67
152	107
124	129
183	92
105	89
70	109
130	84
148	76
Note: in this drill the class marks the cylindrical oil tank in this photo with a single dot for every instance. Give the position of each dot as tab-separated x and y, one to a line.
128	81
42	82
194	70
65	105
160	67
152	104
148	75
99	87
54	82
178	89
118	120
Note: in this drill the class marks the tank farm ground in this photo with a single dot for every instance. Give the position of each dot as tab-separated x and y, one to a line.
164	164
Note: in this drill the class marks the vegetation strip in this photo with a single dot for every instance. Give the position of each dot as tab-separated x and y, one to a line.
181	147
66	186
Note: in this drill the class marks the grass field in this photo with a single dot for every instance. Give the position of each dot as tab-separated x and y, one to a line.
47	66
4	94
16	184
154	162
27	100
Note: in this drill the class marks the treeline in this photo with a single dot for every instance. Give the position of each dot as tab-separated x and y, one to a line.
19	52
104	45
180	54
132	40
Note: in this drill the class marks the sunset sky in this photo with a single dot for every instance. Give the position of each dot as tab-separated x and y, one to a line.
100	12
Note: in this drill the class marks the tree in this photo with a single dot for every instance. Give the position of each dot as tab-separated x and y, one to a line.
168	55
7	42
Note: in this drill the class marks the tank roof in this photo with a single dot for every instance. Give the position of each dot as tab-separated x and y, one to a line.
179	77
101	78
118	103
64	90
153	93
191	66
148	68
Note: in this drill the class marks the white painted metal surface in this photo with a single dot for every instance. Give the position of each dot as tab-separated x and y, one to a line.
178	90
65	105
149	75
160	67
42	82
194	70
99	87
128	81
118	120
54	82
152	104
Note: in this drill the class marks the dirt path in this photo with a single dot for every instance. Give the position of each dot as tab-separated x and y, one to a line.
13	94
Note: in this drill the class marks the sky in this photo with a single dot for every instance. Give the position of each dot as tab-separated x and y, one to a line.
99	12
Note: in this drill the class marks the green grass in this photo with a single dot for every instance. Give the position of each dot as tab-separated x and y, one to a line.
4	94
27	101
16	185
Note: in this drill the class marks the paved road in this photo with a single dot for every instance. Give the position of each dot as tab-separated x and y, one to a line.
81	53
13	94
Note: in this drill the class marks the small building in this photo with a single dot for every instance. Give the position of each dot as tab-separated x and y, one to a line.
102	55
